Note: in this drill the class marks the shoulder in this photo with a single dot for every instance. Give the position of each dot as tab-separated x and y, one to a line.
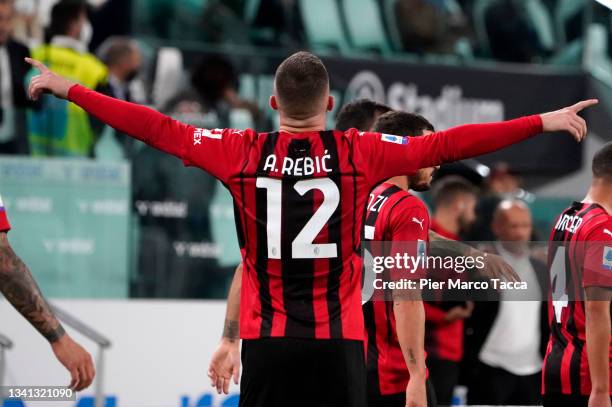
17	47
94	63
598	228
408	204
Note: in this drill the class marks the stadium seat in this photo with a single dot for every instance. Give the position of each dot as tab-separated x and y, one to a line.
479	13
564	11
542	22
323	25
390	17
365	36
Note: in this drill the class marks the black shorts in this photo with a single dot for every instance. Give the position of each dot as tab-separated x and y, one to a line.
399	400
296	372
564	400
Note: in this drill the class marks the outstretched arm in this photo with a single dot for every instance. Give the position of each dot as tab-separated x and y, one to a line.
225	362
387	156
20	289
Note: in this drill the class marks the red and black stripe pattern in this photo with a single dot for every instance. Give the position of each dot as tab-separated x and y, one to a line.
566	365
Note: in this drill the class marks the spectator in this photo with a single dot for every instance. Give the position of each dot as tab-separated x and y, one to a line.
61	128
430	26
508	333
123	60
215	79
454	202
13	98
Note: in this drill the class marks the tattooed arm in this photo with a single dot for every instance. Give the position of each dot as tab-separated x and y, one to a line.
410	324
495	266
20	289
225	362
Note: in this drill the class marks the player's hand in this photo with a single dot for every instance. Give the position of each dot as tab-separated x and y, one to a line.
77	360
459	312
496	267
567	119
416	393
47	81
599	399
224	365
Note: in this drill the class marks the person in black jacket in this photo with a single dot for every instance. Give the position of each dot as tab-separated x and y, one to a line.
13	99
506	335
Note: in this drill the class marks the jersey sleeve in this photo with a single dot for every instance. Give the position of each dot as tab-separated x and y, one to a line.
384	156
219	152
4	223
597	268
408	233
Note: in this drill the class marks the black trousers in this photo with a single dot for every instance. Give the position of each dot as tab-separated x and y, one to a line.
288	372
491	385
399	400
444	376
563	400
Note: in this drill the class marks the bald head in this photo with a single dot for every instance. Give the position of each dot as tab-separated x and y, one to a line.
512	221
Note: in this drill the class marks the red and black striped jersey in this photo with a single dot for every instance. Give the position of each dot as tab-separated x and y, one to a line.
393	216
4	223
299	201
580	256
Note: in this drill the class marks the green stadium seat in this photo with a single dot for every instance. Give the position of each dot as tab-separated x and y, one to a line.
542	22
391	24
323	25
479	13
365	25
564	11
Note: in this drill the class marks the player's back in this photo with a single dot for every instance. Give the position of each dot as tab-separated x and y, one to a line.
393	215
577	259
302	202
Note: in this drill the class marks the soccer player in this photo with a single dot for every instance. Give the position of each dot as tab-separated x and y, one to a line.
577	364
395	328
19	288
300	194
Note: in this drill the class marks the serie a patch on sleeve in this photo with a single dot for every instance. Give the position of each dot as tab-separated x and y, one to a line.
389	138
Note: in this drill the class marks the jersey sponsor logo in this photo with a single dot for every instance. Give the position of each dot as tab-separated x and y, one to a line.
606	231
419	222
199	133
389	138
569	223
607	258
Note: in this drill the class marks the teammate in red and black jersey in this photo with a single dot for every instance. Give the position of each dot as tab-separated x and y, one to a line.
301	192
395	329
578	358
20	289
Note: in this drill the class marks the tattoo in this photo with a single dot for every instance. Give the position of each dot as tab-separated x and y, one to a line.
412	357
231	330
20	289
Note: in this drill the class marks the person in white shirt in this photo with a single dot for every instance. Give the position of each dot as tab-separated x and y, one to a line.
507	339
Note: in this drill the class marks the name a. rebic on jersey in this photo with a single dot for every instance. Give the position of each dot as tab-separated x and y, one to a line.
298	167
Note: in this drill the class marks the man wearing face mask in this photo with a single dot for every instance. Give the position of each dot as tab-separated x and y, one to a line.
61	128
123	60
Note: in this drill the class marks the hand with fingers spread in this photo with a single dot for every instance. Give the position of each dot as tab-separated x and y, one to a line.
77	360
47	82
567	119
224	365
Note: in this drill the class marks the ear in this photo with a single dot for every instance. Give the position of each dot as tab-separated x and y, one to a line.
273	102
330	103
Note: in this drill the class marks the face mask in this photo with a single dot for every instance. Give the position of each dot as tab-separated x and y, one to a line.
86	33
130	76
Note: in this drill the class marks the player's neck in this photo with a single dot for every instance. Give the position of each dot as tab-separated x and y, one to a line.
292	125
447	221
401	181
600	193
